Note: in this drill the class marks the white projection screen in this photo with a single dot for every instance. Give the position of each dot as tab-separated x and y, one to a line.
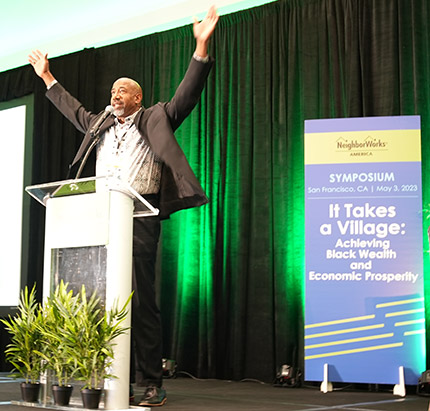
16	127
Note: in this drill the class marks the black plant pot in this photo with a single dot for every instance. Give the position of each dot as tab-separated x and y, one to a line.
30	392
91	397
62	394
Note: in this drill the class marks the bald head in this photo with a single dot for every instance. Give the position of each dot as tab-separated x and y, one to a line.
133	84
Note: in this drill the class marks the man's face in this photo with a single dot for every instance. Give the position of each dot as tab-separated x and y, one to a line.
126	97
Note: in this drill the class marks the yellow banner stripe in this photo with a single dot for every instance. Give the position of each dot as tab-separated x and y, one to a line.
336	353
375	146
351	340
345	331
342	321
413	300
402	323
396	314
422	331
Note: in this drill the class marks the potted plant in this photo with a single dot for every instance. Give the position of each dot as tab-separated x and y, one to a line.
95	331
26	343
58	338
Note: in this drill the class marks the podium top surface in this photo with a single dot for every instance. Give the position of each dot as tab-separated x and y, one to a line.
43	192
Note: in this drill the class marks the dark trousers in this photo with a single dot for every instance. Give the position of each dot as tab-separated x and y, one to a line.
146	331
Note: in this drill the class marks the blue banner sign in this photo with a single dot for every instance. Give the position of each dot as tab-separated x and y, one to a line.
364	310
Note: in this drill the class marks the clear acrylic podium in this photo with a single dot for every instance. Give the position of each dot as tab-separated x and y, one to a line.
88	240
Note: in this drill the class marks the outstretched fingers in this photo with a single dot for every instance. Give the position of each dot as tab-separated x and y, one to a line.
35	56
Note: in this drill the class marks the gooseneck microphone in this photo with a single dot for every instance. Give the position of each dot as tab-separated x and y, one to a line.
94	133
95	129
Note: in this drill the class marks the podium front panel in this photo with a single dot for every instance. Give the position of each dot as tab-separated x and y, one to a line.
80	265
78	221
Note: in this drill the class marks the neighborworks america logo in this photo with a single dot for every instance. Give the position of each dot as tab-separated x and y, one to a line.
361	147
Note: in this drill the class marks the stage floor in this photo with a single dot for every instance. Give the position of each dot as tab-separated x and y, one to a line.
186	394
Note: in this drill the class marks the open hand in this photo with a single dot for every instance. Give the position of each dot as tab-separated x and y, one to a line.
203	30
39	61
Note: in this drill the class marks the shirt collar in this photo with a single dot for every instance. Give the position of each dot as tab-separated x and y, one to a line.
128	120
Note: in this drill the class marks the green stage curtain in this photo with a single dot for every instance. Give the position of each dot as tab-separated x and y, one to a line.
231	273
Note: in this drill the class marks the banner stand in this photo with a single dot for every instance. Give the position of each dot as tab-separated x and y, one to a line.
365	305
326	386
399	389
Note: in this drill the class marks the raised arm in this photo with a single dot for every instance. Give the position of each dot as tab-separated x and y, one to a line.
189	90
68	105
40	63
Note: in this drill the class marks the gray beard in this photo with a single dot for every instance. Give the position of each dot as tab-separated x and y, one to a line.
118	112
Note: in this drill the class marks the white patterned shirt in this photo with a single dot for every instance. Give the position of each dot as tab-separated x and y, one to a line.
124	153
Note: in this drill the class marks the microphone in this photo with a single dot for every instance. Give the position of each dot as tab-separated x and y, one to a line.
95	129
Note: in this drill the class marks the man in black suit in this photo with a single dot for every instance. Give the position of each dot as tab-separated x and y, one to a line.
137	144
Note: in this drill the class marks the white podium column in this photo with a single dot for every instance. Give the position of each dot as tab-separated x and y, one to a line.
118	289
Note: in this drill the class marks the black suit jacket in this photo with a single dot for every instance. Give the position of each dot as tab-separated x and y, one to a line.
180	188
